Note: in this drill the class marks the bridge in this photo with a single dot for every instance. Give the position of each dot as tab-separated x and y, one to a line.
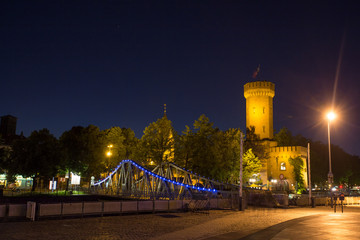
165	181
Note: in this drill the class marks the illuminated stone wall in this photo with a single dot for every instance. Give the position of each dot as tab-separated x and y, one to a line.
278	164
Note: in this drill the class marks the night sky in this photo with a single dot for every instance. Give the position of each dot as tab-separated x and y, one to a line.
115	63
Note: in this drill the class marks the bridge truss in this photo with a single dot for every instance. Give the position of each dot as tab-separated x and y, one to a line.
166	181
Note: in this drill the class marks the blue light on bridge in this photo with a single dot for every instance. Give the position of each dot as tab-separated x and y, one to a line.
155	175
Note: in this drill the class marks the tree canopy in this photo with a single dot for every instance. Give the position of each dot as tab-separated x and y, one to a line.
210	152
157	143
203	149
37	155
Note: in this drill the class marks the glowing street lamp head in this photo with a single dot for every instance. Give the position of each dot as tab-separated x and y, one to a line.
330	116
108	153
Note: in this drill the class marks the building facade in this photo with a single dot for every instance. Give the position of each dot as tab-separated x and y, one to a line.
277	172
8	127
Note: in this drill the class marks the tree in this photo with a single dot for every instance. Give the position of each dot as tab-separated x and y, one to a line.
251	165
130	143
298	167
205	139
114	138
84	151
213	153
4	153
36	156
157	143
254	143
284	137
227	152
94	156
73	148
184	148
6	163
210	152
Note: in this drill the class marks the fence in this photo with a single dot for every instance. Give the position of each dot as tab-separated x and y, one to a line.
80	209
325	201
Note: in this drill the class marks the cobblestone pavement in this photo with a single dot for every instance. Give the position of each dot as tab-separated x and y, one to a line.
218	224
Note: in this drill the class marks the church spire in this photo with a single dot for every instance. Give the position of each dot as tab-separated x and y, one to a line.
165	110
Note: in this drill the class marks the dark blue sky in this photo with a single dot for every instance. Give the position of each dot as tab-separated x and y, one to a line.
115	63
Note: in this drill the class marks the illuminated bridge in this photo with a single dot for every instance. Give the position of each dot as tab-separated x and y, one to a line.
166	181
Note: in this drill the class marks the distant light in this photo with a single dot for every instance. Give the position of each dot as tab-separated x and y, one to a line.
108	153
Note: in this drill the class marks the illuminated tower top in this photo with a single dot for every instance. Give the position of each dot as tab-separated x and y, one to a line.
259	107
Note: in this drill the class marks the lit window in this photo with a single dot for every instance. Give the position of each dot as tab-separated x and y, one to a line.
254	110
282	166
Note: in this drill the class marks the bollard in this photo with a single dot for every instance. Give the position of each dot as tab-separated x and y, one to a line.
241	204
313	202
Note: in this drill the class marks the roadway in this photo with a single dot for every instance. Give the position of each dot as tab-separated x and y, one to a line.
253	223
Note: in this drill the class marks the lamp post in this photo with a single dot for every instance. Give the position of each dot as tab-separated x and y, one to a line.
330	116
241	206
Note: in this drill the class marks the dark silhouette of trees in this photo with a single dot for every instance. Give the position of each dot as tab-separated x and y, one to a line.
84	151
130	143
37	156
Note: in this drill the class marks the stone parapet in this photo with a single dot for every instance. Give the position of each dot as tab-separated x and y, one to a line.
260	88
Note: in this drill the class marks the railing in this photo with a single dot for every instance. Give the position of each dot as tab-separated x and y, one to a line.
81	209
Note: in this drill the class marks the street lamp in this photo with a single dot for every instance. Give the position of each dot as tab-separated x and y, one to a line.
330	117
109	154
241	205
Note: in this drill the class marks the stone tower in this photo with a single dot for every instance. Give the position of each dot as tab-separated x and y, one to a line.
259	107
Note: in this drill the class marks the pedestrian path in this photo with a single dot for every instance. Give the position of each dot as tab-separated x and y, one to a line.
327	226
253	223
323	225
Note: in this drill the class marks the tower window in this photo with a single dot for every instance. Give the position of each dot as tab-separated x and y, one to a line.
263	110
254	110
282	166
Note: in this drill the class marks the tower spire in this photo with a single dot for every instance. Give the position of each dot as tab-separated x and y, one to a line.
165	110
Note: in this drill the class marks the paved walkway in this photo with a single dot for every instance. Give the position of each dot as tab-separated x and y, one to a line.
323	224
276	224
